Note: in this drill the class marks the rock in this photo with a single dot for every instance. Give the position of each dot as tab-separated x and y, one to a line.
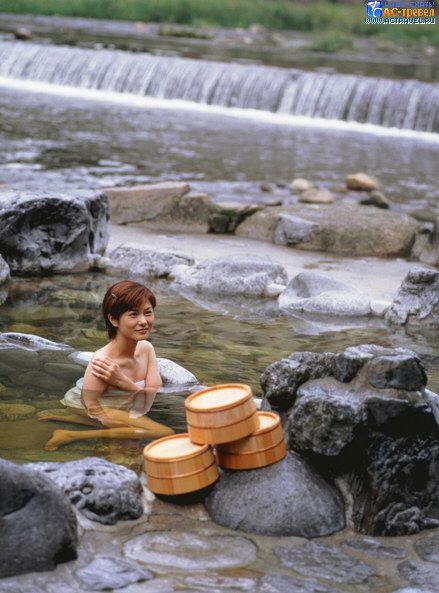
100	490
300	185
193	214
217	582
4	271
268	187
30	342
228	215
173	374
128	260
182	551
323	561
338	304
401	371
63	371
420	574
232	275
144	202
23	34
37	524
342	228
427	548
281	583
362	182
14	411
417	301
424	214
309	284
432	400
377	199
281	379
106	573
375	548
42	233
286	498
316	196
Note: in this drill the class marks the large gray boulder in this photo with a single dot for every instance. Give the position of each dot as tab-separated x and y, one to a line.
286	498
132	261
100	490
235	275
311	293
346	229
37	523
44	232
417	301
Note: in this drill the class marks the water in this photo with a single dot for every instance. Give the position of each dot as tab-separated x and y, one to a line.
405	104
216	348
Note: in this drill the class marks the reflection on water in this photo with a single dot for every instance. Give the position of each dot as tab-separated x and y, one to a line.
216	348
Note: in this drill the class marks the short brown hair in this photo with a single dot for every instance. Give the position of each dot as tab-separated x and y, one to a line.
121	297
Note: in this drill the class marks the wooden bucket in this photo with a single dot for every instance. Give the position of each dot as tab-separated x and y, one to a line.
175	465
264	447
221	414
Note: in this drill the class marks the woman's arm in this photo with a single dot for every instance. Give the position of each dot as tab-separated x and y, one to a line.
153	378
92	390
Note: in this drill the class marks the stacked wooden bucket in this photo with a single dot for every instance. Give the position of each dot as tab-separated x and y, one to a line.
224	416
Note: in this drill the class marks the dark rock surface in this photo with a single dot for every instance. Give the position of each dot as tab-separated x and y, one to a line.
417	301
286	498
37	523
44	232
106	573
364	416
323	561
100	490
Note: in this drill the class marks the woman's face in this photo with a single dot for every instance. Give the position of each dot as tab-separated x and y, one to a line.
136	323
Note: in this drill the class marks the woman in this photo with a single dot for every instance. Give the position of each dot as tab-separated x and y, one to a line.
122	378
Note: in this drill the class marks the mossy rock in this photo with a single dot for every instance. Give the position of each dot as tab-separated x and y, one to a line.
15	411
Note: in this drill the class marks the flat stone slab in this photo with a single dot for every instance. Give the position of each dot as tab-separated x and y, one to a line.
421	574
323	561
427	548
374	548
281	583
107	573
190	551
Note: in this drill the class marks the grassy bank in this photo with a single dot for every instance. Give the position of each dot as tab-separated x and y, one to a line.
274	14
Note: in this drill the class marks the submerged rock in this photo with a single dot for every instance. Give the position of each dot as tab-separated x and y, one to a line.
132	261
281	583
37	525
286	498
100	490
323	561
417	301
43	232
182	551
420	574
232	276
107	573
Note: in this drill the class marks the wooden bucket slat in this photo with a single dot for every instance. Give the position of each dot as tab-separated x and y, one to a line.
221	417
224	434
252	460
270	433
184	484
218	398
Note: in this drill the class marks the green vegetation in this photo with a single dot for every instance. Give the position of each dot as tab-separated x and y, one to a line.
328	18
332	42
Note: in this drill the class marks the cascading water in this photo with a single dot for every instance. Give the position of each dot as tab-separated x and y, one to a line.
406	104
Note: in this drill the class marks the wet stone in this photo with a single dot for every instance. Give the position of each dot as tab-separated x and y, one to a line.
105	573
188	551
219	582
374	548
427	548
402	371
323	561
420	573
280	583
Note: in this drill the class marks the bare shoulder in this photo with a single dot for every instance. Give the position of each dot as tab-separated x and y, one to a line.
146	346
102	351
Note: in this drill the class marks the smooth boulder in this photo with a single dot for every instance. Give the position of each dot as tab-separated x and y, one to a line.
37	523
283	499
45	232
342	228
362	182
235	275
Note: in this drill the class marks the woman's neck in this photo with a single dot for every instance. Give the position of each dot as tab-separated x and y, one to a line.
122	347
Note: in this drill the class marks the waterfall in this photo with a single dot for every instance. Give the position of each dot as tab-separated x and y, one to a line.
404	104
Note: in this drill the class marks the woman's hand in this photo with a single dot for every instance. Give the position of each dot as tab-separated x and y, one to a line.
109	371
